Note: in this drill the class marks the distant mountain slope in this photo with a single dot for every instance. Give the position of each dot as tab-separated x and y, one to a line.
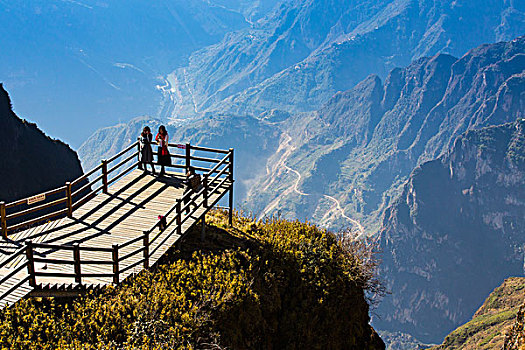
456	231
94	63
253	140
362	145
401	341
491	322
252	10
302	54
107	142
31	162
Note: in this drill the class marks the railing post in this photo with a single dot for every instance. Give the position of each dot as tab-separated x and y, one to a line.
138	153
69	200
3	220
76	258
230	165
188	156
178	218
30	263
146	249
230	197
203	230
104	176
114	255
205	191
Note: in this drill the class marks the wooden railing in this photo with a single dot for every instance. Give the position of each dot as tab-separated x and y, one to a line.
215	177
65	199
183	209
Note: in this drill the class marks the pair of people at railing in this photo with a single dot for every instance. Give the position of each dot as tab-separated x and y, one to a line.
146	152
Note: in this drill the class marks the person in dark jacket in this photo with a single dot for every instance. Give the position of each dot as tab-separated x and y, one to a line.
146	153
192	184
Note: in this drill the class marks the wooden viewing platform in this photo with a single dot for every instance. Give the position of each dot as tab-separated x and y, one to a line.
101	236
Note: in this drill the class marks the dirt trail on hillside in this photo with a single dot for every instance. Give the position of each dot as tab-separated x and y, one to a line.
277	169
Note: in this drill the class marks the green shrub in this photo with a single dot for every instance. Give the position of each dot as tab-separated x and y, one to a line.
274	284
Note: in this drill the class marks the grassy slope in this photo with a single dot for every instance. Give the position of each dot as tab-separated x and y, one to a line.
491	322
277	285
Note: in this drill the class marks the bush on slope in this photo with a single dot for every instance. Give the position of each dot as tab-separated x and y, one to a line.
271	285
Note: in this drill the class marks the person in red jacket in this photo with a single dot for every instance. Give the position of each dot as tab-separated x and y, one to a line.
163	154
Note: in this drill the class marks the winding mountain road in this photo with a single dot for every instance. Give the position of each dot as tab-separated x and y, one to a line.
338	207
299	177
286	148
356	223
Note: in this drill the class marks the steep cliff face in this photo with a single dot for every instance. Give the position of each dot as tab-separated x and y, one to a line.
455	232
31	162
362	145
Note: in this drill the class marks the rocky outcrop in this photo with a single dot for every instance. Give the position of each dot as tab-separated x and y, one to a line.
493	320
515	339
31	162
456	231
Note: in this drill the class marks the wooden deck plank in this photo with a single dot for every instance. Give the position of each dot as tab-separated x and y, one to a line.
130	207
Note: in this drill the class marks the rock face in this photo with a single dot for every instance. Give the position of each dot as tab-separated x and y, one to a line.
455	232
362	145
298	57
494	319
515	339
31	161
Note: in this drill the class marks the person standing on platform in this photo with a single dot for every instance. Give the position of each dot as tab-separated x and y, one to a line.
146	153
163	154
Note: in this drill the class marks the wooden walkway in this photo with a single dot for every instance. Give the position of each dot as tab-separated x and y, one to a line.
110	236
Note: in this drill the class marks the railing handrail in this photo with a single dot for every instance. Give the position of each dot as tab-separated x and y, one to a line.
209	149
71	247
211	186
46	193
125	150
222	161
67	198
13	255
219	163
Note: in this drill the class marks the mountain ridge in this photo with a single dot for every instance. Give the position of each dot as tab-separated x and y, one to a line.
492	322
375	134
454	233
362	38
